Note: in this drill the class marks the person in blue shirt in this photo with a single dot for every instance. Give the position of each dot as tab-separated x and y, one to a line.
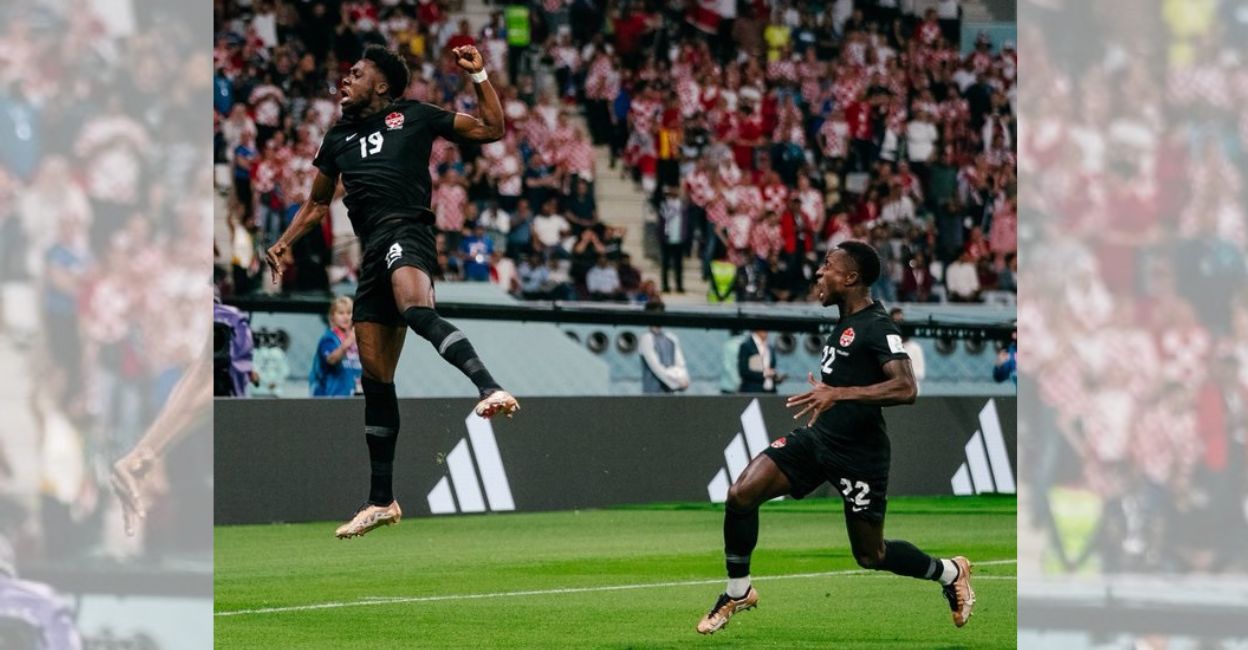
336	369
1007	363
475	251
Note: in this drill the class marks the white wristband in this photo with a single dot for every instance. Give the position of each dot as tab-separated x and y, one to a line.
478	77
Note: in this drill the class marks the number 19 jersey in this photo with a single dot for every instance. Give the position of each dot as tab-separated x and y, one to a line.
384	162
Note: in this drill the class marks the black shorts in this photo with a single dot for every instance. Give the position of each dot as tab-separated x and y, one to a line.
395	244
808	462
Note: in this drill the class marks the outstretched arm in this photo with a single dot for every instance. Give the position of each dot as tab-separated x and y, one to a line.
488	127
309	215
191	399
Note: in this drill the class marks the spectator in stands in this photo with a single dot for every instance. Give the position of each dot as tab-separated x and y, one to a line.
1006	366
475	252
336	369
756	364
911	347
233	351
1007	272
729	374
674	230
497	223
581	210
520	235
550	231
916	280
663	368
503	273
630	277
603	280
962	279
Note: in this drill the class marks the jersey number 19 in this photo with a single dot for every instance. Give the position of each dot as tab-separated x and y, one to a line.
371	144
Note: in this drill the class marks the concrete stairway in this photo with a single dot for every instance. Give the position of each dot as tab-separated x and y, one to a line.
620	203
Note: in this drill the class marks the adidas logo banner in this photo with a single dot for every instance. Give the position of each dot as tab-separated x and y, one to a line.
568	453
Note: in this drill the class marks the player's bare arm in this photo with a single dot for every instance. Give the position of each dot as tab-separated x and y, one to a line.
309	216
489	126
899	388
190	399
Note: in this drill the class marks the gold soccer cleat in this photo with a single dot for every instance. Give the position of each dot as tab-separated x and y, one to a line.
959	594
369	517
500	401
723	610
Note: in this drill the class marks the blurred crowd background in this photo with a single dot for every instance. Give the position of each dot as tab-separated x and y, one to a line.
1135	315
105	229
753	136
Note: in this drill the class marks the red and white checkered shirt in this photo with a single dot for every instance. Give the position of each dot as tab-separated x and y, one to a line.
448	202
266	104
811	75
811	207
739	231
847	88
1185	354
927	32
782	71
579	158
645	114
717	211
1200	84
688	92
765	239
698	186
113	146
598	80
775	197
1165	442
835	138
749	200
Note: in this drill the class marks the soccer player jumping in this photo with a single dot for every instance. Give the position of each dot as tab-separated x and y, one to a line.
380	147
844	442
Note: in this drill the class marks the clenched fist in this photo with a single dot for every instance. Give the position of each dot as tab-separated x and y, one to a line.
469	58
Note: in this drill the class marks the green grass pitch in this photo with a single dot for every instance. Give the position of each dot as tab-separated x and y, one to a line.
635	577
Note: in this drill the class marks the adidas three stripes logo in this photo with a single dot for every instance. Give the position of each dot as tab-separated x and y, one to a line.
462	480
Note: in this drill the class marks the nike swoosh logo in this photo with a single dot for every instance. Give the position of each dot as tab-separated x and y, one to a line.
351	137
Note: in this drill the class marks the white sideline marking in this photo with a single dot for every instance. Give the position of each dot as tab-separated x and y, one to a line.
382	600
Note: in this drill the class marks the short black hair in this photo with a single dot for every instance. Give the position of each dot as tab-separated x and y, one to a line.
865	257
392	67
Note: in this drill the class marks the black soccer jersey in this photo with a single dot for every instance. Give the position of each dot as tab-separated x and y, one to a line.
384	161
855	356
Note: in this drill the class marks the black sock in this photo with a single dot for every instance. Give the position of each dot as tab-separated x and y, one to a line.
740	537
904	558
381	432
452	345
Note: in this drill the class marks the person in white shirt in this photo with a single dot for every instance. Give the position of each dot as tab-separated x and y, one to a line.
550	229
912	348
962	280
921	136
603	281
899	208
663	368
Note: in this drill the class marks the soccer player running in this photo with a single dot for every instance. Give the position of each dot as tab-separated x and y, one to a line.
844	442
380	147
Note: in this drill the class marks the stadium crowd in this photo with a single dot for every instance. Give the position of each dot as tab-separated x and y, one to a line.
792	127
784	130
520	212
1136	317
105	220
105	228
